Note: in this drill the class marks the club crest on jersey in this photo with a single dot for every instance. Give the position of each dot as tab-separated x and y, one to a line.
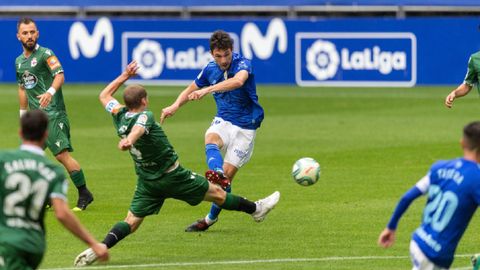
29	80
34	62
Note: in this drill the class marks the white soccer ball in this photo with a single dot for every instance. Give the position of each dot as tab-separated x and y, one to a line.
306	171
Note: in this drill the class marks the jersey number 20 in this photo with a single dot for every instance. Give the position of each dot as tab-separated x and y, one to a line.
439	211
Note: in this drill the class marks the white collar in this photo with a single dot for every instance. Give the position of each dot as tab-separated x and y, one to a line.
32	148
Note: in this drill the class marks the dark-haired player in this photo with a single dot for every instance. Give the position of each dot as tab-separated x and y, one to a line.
40	79
230	78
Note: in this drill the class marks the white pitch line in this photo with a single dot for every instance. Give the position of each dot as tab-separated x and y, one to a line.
239	262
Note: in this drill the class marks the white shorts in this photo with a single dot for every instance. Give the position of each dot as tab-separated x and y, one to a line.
419	260
237	142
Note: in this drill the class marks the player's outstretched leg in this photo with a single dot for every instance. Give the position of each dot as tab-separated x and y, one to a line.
119	231
264	206
87	257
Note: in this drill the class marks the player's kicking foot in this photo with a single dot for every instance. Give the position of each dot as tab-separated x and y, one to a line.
265	205
217	177
84	199
200	225
87	257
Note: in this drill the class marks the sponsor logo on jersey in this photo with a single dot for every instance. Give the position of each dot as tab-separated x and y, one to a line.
164	55
355	59
53	62
33	63
142	120
29	80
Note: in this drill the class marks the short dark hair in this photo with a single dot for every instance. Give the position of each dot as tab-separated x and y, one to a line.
471	135
221	40
133	94
24	20
34	125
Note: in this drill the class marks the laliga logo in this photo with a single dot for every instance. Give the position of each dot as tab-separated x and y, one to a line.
152	59
323	60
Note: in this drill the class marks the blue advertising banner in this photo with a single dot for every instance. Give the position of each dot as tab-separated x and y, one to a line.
330	52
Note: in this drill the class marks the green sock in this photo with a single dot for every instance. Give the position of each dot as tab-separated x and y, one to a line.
78	178
117	233
232	202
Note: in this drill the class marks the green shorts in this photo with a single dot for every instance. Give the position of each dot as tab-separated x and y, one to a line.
59	134
13	258
180	184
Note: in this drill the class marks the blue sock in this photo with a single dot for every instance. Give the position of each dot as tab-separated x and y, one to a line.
215	210
214	157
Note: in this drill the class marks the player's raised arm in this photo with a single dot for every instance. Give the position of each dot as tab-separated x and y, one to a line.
181	99
107	93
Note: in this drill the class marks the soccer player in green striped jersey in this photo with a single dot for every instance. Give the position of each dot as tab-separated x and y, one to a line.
40	79
159	173
471	78
28	181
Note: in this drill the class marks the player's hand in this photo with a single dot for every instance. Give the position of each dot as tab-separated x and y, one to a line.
386	238
44	99
132	69
124	144
101	251
449	99
168	112
198	94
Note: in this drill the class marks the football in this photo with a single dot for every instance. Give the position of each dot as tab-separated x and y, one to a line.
306	171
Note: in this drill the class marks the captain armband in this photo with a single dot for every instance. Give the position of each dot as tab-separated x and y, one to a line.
112	105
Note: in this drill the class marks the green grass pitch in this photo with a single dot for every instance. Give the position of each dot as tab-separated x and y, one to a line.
372	145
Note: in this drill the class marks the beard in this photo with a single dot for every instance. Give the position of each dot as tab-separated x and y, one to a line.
30	44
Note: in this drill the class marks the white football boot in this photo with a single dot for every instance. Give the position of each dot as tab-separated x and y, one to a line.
87	257
265	205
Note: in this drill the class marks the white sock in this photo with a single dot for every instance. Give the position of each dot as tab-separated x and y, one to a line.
210	221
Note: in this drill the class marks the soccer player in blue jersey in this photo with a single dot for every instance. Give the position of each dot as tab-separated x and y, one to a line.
231	80
453	194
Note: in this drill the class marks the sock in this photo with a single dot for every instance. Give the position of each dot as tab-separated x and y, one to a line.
214	157
117	233
215	209
78	178
234	202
